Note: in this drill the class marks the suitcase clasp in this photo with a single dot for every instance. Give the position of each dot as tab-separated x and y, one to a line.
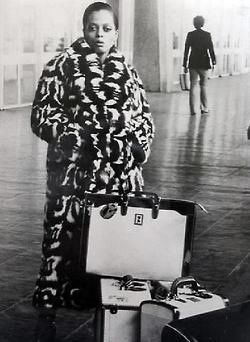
113	309
124	204
156	206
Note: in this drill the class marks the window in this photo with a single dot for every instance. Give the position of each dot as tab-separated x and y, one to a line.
10	83
27	83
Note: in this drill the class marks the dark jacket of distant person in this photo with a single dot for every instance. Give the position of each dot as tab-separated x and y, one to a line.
202	50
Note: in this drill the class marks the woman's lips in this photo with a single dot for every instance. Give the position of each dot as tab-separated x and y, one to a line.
99	44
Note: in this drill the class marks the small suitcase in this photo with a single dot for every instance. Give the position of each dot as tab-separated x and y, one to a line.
139	234
118	315
184	81
231	324
184	298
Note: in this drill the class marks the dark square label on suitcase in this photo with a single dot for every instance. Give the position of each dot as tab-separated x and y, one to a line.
138	219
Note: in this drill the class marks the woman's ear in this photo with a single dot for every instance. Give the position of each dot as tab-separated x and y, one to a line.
116	38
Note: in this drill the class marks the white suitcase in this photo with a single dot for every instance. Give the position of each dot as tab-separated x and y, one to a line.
142	235
118	316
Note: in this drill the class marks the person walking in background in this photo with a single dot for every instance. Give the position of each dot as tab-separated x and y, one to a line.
91	109
199	57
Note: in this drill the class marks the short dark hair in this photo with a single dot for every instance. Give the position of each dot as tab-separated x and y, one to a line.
198	21
98	6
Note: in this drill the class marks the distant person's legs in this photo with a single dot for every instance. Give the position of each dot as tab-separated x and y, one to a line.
193	85
203	90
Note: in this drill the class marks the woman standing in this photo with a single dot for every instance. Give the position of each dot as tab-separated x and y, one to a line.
90	107
199	62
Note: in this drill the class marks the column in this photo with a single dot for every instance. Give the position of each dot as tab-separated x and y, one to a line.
146	43
1	52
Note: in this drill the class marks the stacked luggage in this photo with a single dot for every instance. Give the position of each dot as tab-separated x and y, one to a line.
141	245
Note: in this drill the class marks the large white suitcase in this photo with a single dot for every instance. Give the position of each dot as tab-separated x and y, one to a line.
142	235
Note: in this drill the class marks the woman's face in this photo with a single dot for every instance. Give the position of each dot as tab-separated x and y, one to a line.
100	32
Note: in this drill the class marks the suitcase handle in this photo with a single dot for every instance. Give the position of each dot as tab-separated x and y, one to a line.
156	200
124	200
179	282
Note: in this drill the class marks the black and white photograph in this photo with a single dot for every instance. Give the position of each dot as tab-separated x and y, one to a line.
125	171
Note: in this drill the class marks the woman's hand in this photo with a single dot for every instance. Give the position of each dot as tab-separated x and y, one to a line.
138	152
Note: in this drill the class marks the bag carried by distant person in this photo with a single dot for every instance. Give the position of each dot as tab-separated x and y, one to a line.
184	81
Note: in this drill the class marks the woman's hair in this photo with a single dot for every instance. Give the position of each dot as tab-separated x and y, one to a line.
98	6
198	21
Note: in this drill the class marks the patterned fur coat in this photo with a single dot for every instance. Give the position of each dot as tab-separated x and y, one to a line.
98	126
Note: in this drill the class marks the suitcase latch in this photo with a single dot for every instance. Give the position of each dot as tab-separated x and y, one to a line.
124	204
113	310
156	207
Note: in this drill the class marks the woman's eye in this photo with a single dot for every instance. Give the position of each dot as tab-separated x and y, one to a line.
92	28
107	29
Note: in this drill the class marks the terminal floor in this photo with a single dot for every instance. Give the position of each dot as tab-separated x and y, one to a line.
203	158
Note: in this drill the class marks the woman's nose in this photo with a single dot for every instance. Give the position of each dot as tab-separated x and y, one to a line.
99	32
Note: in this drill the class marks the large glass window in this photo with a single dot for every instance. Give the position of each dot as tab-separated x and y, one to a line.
10	83
175	41
225	64
236	63
27	83
247	61
10	28
31	33
56	27
28	28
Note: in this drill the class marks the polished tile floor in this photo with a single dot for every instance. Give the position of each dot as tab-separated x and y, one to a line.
204	158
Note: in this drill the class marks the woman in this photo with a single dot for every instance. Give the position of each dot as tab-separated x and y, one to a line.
90	108
202	50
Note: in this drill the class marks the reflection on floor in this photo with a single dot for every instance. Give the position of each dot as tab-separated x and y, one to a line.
204	158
